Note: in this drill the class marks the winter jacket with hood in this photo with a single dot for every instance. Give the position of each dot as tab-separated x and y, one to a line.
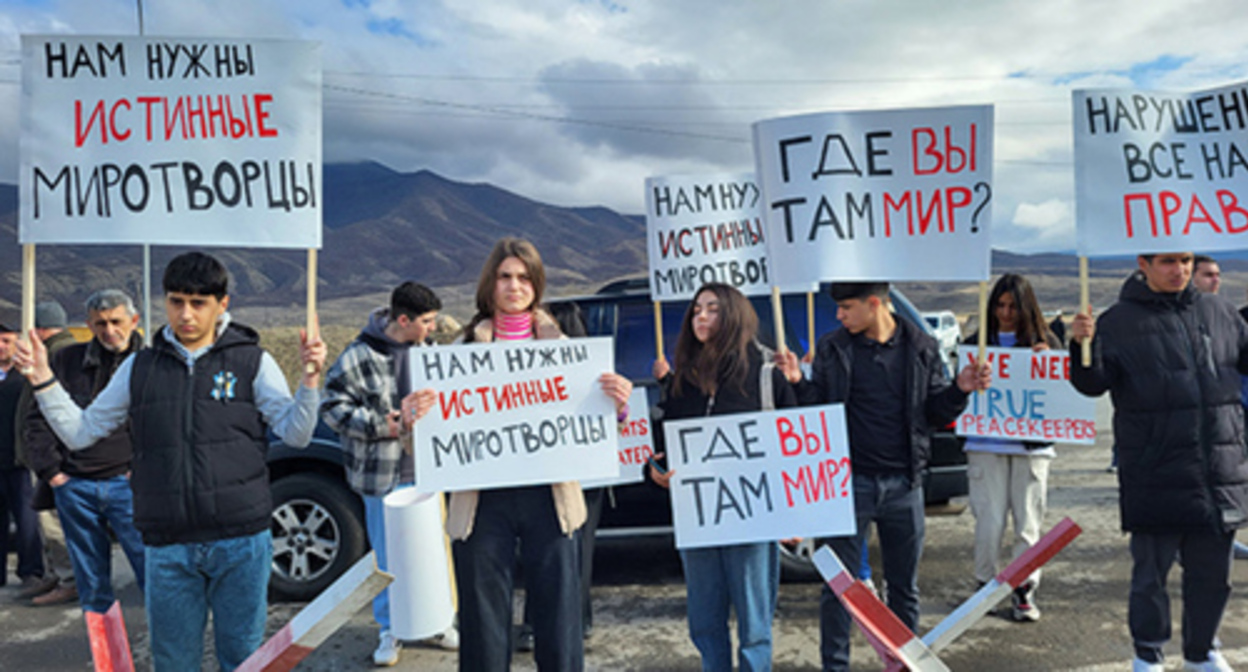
1171	363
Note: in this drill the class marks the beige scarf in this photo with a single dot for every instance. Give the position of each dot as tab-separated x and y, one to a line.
569	501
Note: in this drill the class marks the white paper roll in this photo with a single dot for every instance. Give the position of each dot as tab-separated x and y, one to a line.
420	597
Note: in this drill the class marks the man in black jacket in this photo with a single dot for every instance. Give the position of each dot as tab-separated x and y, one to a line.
1170	357
92	486
891	378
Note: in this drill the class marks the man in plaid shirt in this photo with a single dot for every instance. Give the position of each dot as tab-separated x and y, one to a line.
363	397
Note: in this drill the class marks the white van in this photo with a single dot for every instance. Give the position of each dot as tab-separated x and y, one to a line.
945	328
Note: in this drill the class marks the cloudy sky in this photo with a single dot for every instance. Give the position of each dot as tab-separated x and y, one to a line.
576	102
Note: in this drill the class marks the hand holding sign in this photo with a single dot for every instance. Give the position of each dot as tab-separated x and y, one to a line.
416	405
312	352
1083	327
617	387
975	377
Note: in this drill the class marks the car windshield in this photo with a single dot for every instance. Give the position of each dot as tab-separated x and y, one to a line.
935	322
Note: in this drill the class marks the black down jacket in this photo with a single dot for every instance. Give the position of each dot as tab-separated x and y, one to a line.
1171	363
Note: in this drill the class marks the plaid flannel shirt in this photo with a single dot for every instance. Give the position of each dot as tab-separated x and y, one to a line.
360	391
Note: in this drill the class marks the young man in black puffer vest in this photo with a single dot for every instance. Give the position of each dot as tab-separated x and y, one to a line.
199	402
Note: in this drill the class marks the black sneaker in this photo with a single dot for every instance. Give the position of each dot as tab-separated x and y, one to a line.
1024	610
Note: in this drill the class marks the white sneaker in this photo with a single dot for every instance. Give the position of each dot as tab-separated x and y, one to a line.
387	653
1215	663
1138	665
448	640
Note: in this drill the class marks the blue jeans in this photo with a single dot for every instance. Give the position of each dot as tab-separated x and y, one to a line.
184	581
375	524
15	493
896	508
88	508
745	576
485	565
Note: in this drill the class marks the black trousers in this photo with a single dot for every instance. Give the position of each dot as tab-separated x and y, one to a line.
1206	561
485	569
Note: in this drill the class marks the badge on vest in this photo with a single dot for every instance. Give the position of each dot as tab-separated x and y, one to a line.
223	385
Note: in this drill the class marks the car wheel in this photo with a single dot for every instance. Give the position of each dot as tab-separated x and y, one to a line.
797	563
318	533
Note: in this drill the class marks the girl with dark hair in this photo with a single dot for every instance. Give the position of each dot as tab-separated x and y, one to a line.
487	526
719	370
1010	477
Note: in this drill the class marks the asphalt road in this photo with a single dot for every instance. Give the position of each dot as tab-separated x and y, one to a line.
640	607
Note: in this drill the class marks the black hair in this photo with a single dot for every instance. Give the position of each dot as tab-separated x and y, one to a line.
844	291
1202	259
413	299
196	273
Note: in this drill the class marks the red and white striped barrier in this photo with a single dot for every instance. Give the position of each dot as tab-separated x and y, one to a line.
900	648
110	649
1000	588
321	618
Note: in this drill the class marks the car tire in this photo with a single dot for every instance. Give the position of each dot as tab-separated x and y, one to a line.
796	562
318	533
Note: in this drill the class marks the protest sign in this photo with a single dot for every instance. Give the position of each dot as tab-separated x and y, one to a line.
701	229
514	413
887	195
751	477
174	141
1161	172
1031	399
636	444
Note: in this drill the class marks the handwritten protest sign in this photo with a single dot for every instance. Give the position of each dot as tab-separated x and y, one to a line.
180	141
887	195
1161	172
636	444
705	228
514	413
1031	399
760	476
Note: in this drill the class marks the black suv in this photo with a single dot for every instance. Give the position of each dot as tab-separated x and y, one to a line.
625	311
318	522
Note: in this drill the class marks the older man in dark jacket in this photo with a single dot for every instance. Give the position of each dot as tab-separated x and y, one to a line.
1170	358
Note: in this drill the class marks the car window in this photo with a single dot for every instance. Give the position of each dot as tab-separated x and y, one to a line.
932	321
634	335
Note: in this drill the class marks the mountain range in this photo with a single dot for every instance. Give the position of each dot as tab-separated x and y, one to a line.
384	226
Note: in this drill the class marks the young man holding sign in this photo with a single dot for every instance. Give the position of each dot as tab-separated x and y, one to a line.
363	393
891	378
1170	357
199	402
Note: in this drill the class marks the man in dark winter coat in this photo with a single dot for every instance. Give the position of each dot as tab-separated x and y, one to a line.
1170	357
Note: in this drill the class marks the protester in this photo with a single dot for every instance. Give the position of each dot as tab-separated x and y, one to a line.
1169	356
1206	274
199	402
572	323
363	401
60	586
720	370
486	525
891	378
1010	478
92	486
1207	277
15	485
